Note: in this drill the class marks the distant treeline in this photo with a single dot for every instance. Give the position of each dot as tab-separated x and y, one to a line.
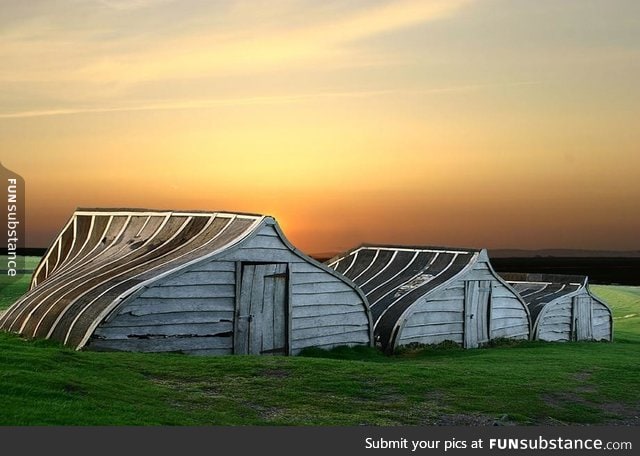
620	271
27	251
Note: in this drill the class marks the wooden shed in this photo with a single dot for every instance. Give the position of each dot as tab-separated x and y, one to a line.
192	282
562	307
429	295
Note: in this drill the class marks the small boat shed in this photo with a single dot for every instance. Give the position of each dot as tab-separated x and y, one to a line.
562	307
428	295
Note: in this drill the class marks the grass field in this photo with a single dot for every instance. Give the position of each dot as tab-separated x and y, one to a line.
523	383
11	289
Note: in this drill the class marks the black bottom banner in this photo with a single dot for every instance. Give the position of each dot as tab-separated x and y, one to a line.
623	440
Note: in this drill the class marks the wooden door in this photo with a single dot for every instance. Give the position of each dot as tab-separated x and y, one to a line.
262	310
477	305
582	318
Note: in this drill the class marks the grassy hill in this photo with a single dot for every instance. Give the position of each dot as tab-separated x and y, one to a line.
521	383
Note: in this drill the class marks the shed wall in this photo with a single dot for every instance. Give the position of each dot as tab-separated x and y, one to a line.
509	318
436	318
439	316
554	323
602	322
193	312
601	317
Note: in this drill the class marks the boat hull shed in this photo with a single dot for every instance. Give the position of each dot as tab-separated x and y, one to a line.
429	295
562	307
197	283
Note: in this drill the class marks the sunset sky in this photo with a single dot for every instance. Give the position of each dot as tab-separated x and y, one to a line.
488	123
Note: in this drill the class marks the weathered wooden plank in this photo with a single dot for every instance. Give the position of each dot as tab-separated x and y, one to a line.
439	306
542	329
201	278
280	317
511	333
508	322
560	306
266	242
500	291
356	338
555	319
553	336
190	329
304	267
582	318
256	323
409	332
427	318
470	304
268	230
602	332
479	272
162	344
450	293
345	297
512	326
506	303
455	336
515	332
243	312
326	346
170	318
484	318
146	306
215	266
268	312
317	311
262	255
600	313
428	324
356	318
335	286
433	340
190	291
506	312
300	278
315	332
555	329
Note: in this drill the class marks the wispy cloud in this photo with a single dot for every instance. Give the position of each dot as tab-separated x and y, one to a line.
70	65
127	5
321	43
237	45
247	101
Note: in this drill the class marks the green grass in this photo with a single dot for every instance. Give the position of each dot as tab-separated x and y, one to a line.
12	288
625	306
525	383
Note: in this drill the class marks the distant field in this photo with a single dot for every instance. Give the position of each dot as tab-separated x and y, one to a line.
520	383
625	305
